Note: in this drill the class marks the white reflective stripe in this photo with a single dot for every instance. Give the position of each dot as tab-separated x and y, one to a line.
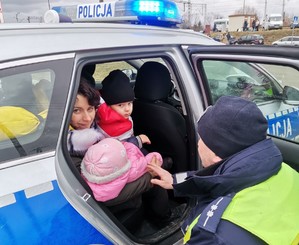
291	110
26	175
271	116
180	177
7	200
282	113
38	189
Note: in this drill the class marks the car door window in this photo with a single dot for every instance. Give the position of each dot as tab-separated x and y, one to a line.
32	100
271	87
103	70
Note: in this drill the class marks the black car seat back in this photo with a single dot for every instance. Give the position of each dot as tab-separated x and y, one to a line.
153	116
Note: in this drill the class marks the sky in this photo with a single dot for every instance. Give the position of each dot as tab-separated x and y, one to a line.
20	10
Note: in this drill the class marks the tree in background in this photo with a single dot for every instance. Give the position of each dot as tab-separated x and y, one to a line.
248	11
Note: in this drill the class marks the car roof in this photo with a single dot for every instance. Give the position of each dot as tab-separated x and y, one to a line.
28	40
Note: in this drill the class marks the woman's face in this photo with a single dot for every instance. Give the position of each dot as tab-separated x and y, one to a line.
83	114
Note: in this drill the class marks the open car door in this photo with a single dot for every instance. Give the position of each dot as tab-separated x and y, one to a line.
267	75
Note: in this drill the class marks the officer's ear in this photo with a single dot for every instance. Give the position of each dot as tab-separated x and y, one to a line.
217	159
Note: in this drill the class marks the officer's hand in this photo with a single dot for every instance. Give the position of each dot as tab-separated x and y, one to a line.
165	180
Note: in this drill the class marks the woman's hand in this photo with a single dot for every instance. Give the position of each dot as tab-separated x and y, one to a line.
165	180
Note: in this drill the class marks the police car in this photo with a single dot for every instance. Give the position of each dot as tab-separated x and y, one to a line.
43	198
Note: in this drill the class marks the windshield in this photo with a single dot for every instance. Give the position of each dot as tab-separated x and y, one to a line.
275	18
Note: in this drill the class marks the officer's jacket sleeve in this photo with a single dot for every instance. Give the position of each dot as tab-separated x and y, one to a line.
179	180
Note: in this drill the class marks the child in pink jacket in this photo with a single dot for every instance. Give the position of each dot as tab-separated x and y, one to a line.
110	164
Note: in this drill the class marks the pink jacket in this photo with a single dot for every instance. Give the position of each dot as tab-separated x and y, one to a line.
107	191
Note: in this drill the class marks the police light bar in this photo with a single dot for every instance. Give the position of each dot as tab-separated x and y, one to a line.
150	12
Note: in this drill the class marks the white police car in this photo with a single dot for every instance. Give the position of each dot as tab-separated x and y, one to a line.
43	199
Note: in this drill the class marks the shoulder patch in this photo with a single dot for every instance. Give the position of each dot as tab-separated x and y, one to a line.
211	215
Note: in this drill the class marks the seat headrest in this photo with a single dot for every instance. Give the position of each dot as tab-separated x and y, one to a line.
87	73
153	82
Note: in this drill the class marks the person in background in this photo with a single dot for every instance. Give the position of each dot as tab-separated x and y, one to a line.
254	25
257	24
245	193
228	37
245	25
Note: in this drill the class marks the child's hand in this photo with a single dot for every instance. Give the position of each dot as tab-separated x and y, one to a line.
154	161
165	179
144	139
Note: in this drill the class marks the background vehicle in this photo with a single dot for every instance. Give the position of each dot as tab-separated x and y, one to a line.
232	40
287	41
274	21
39	182
220	25
294	25
218	38
253	39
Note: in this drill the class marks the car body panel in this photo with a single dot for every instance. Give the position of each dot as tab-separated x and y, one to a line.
35	38
40	220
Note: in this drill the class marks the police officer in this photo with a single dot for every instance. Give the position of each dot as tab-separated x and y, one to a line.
245	193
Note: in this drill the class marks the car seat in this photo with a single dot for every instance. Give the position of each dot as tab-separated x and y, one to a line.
153	116
43	91
87	73
18	91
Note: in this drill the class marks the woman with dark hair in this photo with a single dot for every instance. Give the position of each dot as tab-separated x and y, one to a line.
83	131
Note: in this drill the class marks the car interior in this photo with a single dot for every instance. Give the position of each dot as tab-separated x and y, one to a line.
23	111
156	113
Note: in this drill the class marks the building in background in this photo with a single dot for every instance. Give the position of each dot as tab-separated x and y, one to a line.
236	21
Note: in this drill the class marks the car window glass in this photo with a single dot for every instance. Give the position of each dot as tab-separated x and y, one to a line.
29	111
103	70
273	88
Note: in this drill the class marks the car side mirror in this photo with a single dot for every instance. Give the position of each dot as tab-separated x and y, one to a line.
291	95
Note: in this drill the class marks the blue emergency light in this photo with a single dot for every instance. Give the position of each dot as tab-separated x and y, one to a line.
149	12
